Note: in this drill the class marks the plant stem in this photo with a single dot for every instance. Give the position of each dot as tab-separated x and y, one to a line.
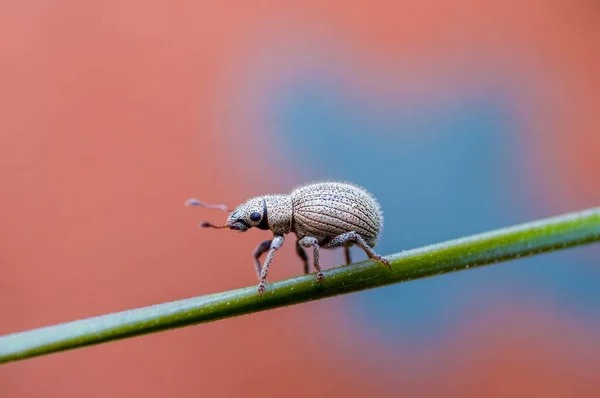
546	235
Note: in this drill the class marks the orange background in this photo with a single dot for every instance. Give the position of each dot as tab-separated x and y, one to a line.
113	113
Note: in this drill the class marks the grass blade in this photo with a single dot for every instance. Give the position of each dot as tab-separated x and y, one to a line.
528	239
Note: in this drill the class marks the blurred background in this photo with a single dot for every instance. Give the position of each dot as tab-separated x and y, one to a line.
459	116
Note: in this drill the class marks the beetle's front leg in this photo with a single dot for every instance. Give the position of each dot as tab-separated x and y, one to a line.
275	245
308	241
260	249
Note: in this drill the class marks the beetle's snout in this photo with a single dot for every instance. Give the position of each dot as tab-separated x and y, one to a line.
238	225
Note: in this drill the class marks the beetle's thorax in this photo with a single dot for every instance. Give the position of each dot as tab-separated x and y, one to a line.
280	213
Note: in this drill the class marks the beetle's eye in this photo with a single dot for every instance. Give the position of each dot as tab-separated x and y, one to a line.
255	216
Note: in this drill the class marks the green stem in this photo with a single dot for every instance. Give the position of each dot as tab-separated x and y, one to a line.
550	234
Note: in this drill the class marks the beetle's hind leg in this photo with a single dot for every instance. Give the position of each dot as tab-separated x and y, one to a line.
308	241
347	255
302	254
353	237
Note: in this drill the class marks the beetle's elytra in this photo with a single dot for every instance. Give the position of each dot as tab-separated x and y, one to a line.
322	215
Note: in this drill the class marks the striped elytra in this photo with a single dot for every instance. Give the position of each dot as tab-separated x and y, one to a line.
325	210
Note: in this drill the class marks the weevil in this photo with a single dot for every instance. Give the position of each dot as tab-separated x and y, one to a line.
323	215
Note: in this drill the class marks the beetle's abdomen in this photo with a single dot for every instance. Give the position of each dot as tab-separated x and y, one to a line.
325	210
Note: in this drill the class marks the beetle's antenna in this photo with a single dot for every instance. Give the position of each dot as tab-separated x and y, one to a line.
206	224
197	203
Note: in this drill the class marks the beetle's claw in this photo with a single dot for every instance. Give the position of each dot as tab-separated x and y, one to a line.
319	276
261	289
385	262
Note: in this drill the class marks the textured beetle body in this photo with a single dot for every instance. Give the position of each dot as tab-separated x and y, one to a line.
322	215
326	210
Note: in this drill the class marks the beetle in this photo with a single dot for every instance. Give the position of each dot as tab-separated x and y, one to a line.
323	215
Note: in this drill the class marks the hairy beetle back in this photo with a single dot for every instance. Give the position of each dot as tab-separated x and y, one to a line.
328	209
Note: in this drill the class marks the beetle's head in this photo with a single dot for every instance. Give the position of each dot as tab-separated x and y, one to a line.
252	213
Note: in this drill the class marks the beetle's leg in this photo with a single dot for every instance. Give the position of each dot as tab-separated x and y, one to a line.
302	254
353	237
275	245
260	249
347	255
308	241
